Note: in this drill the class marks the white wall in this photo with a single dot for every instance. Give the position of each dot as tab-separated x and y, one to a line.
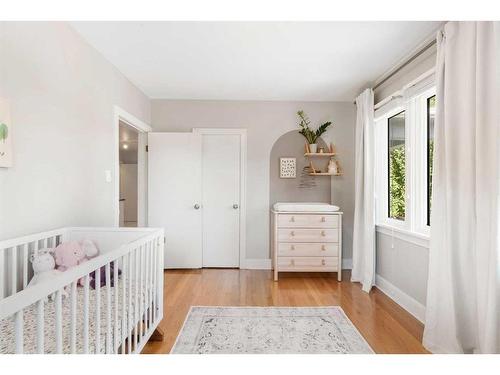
266	122
62	94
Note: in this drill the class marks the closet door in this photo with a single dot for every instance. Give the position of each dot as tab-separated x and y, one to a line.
221	200
174	195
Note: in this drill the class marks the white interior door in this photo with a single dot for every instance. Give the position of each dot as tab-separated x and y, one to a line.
221	200
174	197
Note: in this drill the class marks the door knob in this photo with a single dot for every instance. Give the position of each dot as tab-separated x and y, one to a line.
235	206
196	206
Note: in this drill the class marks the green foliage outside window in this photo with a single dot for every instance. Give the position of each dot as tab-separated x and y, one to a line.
397	182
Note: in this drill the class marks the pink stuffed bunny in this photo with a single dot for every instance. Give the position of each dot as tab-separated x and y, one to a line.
69	254
72	253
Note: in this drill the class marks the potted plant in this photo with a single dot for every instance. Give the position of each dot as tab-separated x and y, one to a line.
310	135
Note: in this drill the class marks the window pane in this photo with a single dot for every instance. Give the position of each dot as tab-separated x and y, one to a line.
397	162
431	114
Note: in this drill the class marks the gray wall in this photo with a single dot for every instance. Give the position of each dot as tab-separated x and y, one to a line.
265	123
61	93
303	188
404	264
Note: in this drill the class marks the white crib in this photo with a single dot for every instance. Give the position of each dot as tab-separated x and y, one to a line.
115	318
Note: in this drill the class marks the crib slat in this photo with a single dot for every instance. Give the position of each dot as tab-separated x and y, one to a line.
150	300
146	288
136	299
98	310
141	275
13	270
19	332
25	265
108	308
3	273
124	316
58	319
40	320
129	328
35	247
155	281
150	283
73	317
86	314
116	288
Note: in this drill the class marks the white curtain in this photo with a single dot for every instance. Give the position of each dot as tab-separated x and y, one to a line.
363	245
462	314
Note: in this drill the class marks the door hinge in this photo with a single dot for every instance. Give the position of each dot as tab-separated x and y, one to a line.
147	148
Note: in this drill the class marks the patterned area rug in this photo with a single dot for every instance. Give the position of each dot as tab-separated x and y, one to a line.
269	330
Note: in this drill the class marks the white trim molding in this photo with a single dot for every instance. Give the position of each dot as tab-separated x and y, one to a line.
404	235
243	181
256	264
408	303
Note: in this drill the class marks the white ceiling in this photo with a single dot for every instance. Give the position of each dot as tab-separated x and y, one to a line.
316	61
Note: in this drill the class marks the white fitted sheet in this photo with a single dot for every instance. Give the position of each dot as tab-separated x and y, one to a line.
304	207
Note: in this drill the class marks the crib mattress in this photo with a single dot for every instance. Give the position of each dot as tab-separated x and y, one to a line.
304	207
7	336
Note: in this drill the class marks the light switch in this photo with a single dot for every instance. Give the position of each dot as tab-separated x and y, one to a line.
107	173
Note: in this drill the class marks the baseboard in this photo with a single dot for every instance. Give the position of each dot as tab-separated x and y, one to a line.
347	264
257	264
408	303
266	264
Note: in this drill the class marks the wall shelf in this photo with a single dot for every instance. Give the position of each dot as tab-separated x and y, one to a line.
330	154
324	174
324	154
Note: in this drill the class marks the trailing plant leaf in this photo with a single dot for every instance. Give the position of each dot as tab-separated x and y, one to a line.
4	131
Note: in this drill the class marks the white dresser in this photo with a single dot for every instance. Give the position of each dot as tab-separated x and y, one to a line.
306	238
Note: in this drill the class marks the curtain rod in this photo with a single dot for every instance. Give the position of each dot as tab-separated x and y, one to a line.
406	63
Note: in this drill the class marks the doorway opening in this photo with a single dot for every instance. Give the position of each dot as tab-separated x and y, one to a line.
129	182
130	169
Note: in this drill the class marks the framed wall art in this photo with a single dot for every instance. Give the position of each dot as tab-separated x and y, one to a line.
288	167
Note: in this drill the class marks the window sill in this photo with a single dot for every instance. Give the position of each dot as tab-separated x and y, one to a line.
418	239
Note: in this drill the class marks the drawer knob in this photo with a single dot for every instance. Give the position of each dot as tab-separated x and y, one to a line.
323	262
323	248
292	219
323	233
323	219
292	262
292	233
292	247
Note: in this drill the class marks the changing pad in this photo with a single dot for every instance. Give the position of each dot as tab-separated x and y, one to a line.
305	207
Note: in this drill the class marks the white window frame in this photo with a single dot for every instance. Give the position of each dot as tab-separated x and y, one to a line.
413	101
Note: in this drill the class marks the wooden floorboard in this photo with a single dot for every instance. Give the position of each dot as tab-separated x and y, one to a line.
384	324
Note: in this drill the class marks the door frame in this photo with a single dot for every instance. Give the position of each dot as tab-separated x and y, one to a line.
119	114
243	177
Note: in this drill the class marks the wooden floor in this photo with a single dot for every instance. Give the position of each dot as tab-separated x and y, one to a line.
385	326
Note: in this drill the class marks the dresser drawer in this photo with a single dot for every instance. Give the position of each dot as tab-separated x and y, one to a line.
308	221
308	235
308	249
308	264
